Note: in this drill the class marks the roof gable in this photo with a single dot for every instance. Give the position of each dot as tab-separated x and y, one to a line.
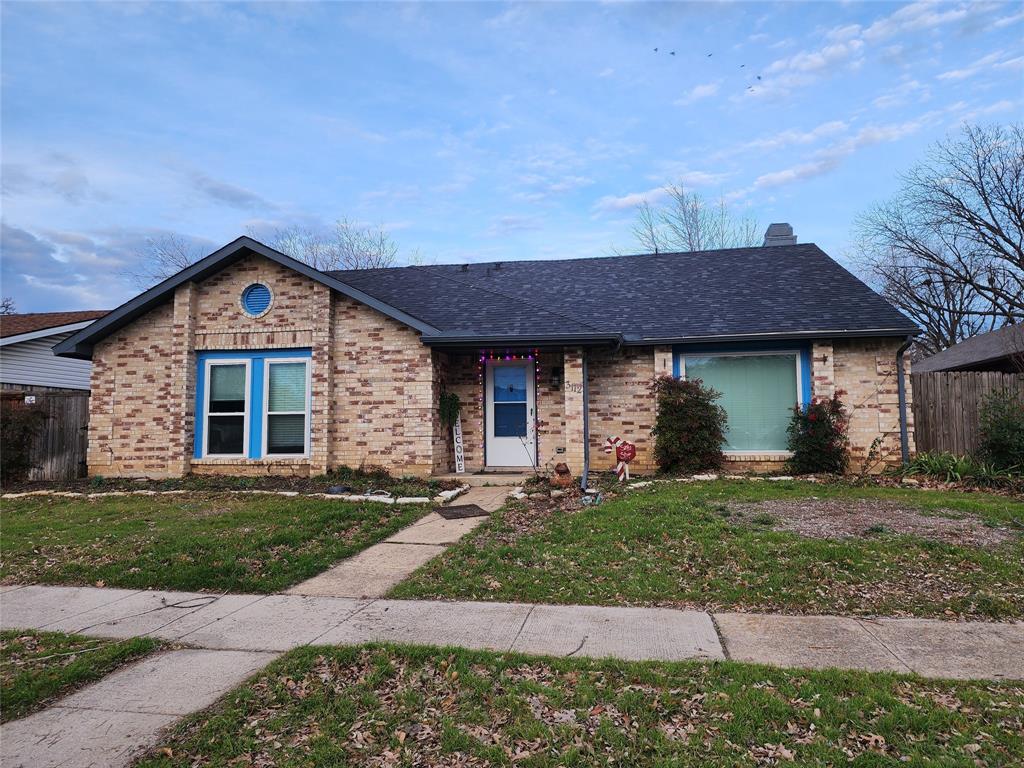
81	344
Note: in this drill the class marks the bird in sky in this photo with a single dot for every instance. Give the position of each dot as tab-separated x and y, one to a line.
655	50
758	77
710	55
742	66
671	53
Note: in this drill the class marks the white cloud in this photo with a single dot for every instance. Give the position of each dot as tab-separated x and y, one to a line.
611	203
915	18
987	63
506	225
1008	20
698	92
793	136
910	90
829	158
606	72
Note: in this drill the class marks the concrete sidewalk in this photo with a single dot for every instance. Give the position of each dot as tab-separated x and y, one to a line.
107	723
276	623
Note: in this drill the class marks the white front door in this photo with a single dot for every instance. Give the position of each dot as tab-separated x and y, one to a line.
510	409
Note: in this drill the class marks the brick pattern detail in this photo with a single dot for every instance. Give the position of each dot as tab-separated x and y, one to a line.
384	392
823	375
865	369
573	409
135	391
621	403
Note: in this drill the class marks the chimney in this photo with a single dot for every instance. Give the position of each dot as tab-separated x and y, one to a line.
779	234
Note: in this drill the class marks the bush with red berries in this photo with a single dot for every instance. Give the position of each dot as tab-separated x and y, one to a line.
818	437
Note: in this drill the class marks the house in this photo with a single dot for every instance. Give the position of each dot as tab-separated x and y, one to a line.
1001	350
252	362
27	361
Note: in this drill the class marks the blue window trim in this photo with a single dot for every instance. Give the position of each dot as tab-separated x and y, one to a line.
681	350
257	367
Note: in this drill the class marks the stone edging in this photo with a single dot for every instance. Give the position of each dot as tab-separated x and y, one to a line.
442	498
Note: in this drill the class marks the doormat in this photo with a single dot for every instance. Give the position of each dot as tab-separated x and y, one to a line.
460	511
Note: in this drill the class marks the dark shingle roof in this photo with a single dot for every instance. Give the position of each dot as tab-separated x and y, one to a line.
790	291
736	292
976	350
15	325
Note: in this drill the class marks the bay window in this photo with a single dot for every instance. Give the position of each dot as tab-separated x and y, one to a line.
759	389
251	405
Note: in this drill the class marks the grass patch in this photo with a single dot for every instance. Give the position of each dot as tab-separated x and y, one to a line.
37	667
385	705
677	544
190	542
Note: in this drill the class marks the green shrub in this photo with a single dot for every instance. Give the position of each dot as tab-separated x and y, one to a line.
817	437
1002	430
448	408
689	429
19	424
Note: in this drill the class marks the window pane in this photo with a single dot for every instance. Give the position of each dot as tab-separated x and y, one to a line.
510	419
227	388
226	434
510	383
287	387
758	393
286	434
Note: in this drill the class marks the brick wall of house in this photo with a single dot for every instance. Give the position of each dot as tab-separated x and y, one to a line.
383	402
375	387
865	369
130	409
621	404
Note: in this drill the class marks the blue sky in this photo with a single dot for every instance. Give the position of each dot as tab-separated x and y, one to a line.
472	131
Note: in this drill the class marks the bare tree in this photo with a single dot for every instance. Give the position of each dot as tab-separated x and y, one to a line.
7	306
950	245
162	257
347	246
688	222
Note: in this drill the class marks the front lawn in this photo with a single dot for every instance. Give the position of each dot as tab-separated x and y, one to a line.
212	542
707	545
36	667
391	706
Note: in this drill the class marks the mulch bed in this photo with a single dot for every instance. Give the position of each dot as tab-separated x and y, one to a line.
842	519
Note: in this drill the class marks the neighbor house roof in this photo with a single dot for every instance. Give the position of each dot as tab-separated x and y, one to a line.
781	291
976	351
737	293
30	322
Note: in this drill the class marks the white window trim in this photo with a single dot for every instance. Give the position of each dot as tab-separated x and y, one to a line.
761	353
266	407
208	387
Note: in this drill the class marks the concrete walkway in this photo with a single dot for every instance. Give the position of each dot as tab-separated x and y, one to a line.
375	570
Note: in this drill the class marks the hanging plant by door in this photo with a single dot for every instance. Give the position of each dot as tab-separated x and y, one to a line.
449	408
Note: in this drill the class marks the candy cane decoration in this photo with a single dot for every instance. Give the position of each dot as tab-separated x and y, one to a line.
615	444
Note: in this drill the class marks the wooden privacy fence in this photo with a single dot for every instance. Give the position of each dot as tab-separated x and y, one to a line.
947	407
58	450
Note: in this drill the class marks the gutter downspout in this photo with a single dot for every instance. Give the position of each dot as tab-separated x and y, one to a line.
901	389
586	425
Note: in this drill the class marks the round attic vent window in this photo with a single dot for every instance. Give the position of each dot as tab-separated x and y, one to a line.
256	300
